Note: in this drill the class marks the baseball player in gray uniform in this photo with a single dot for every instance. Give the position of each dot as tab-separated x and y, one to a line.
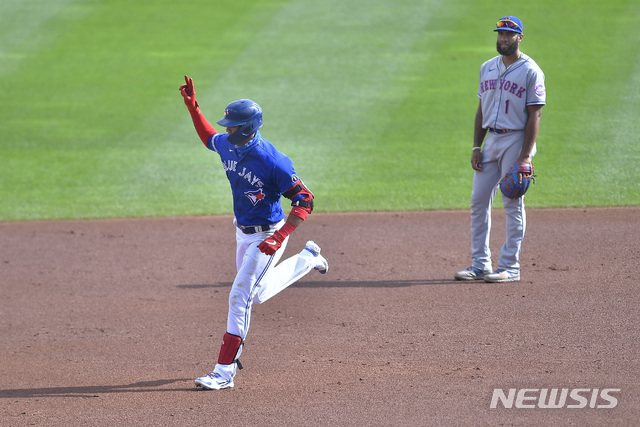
512	94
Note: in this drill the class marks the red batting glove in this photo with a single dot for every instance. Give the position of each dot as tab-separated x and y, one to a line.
189	94
271	244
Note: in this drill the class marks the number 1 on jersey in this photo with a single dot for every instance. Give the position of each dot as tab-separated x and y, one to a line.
506	106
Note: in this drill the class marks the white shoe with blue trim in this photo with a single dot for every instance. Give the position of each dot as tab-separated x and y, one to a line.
323	264
471	273
502	275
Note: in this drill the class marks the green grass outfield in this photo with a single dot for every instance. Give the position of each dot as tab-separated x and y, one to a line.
373	100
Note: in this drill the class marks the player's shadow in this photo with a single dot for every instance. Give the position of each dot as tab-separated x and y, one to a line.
350	284
96	391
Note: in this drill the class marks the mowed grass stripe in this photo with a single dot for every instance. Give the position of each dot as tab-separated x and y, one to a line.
588	146
323	89
96	101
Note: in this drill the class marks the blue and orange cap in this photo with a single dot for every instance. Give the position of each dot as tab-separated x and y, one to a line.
510	23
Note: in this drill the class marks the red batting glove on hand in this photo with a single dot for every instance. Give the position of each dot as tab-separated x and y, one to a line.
189	94
271	244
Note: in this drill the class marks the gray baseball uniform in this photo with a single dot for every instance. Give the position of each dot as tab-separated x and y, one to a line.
505	93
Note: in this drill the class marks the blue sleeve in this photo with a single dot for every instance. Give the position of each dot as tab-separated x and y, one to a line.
214	142
284	174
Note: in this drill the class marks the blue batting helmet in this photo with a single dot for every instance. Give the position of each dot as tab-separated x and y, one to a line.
244	113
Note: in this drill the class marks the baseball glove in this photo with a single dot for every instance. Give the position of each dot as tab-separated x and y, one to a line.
516	182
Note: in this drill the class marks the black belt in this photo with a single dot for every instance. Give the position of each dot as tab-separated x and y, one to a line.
493	130
252	229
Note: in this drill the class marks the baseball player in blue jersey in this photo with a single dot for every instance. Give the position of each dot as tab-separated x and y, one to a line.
512	94
259	176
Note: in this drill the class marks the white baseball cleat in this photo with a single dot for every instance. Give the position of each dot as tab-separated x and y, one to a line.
213	381
322	265
502	275
471	273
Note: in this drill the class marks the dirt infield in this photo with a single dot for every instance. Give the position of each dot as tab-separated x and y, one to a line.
107	323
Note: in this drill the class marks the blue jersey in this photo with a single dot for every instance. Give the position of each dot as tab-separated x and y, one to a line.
258	177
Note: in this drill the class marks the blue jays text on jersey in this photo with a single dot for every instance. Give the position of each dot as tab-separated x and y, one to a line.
232	166
258	177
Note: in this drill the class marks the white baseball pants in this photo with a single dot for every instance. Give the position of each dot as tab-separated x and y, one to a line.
259	278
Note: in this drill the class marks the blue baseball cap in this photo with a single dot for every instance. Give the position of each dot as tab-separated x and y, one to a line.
510	23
